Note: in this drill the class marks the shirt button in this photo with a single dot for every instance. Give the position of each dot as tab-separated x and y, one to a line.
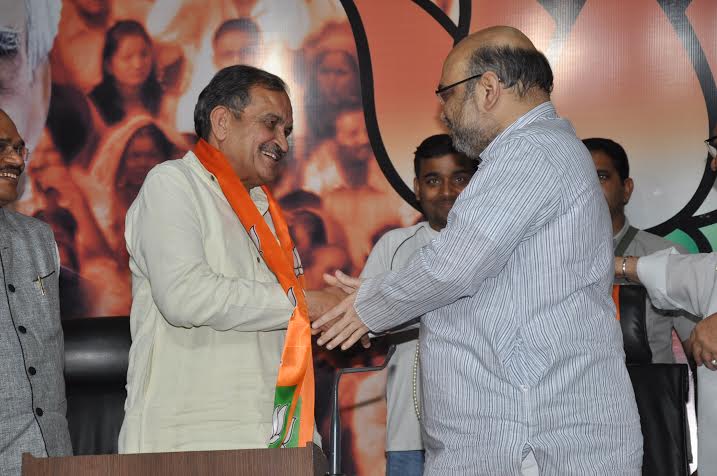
11	288
31	370
22	329
39	411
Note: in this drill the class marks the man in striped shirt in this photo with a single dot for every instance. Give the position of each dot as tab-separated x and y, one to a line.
520	349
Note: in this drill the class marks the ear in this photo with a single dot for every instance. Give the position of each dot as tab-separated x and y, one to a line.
488	90
219	119
416	187
628	187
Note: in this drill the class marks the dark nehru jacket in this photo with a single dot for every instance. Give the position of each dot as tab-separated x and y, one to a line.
32	388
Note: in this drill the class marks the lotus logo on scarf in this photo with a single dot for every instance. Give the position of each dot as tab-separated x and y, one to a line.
292	297
277	425
255	238
298	268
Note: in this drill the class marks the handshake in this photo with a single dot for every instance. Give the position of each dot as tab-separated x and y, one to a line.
332	314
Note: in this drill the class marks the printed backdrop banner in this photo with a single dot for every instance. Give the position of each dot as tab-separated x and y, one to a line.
104	90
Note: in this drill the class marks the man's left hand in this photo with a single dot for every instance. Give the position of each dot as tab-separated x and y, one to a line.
703	342
346	328
343	281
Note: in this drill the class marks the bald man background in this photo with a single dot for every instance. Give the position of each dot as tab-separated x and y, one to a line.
520	352
32	387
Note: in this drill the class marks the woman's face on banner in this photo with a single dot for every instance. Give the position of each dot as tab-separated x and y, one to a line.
337	77
142	153
132	62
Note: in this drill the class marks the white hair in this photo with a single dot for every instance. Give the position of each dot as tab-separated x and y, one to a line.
43	19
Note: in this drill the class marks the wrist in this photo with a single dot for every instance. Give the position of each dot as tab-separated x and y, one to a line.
630	269
623	268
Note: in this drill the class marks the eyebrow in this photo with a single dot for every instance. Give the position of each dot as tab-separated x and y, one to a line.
6	141
273	117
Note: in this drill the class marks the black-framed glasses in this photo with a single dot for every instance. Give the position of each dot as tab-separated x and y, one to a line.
441	92
7	149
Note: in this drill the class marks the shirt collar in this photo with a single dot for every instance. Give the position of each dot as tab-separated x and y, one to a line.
257	194
428	228
545	110
620	234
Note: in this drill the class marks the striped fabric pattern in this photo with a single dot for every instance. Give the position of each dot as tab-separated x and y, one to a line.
520	349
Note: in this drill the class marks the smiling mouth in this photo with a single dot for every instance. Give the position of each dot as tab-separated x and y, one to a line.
272	155
10	176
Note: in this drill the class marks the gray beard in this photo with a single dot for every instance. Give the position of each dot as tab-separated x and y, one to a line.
471	142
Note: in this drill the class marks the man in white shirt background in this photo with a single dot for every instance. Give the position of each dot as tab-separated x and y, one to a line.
441	174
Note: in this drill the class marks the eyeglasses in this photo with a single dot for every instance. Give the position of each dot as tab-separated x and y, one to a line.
711	150
441	92
7	149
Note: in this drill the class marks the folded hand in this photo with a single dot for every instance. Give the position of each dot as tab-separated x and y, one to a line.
703	342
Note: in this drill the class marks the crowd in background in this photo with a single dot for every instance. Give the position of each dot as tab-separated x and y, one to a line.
125	78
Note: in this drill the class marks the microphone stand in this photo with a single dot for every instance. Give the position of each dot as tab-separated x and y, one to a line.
335	463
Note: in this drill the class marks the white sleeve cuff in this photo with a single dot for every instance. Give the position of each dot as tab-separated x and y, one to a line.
652	272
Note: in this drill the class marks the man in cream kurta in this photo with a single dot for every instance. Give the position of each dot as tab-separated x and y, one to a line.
689	282
208	316
213	318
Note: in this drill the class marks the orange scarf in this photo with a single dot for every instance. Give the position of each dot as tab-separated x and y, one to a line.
294	392
616	298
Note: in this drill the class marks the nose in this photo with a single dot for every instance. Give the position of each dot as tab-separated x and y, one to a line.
448	190
13	159
282	141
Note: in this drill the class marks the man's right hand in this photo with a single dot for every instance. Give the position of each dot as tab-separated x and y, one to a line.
703	342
